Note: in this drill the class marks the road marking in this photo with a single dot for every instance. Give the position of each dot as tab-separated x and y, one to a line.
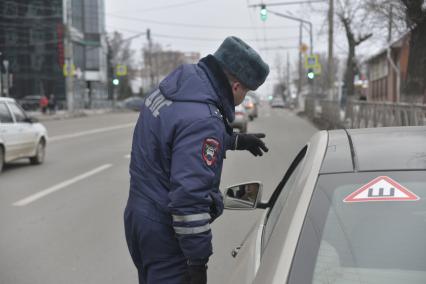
62	185
89	132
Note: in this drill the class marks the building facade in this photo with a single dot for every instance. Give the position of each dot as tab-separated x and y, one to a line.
32	40
384	79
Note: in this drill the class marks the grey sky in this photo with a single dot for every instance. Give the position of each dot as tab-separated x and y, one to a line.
227	14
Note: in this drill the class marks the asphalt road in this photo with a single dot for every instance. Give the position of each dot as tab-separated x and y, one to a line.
61	222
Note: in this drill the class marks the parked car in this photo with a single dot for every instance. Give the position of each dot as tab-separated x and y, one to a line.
30	103
278	102
20	135
241	119
132	103
351	208
250	105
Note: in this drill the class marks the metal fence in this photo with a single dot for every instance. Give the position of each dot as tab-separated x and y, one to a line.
361	114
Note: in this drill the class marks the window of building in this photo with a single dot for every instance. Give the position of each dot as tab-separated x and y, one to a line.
37	35
92	58
77	14
78	52
11	9
36	8
11	36
91	16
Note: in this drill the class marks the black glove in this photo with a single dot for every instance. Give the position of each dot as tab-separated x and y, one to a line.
197	274
251	142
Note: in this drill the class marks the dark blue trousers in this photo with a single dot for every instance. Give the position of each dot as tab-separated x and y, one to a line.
152	244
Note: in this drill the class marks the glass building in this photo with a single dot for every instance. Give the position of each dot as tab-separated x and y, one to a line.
32	41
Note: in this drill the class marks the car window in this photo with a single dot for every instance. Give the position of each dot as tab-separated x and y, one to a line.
278	203
5	116
364	228
17	112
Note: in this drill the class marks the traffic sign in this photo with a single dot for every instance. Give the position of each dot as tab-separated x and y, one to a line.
68	70
303	48
121	70
382	188
312	61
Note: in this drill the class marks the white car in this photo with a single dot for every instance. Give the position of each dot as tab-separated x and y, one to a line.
20	135
350	209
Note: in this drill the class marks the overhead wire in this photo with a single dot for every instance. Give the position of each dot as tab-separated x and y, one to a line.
178	5
199	26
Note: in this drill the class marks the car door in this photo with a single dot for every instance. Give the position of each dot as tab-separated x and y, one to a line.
26	134
8	133
249	253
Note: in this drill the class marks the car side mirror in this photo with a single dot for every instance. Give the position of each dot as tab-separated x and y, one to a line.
243	196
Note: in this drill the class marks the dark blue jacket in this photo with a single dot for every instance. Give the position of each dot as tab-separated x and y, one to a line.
178	148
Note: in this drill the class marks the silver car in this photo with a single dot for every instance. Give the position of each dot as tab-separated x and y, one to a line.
350	209
20	135
241	119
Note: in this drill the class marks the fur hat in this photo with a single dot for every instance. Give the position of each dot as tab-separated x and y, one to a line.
242	61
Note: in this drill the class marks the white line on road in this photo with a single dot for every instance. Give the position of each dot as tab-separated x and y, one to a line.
89	132
62	185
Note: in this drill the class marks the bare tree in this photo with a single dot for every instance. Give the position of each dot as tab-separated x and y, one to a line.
321	82
416	20
388	17
120	53
353	16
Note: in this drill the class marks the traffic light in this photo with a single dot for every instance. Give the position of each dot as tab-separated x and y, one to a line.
311	74
263	12
115	82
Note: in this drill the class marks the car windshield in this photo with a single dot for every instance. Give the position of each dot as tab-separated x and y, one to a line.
364	228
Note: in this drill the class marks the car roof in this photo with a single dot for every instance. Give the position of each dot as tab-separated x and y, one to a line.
375	149
3	99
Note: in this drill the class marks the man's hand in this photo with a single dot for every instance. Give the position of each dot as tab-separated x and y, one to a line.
251	142
197	274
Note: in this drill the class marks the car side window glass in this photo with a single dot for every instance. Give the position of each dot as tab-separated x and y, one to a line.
18	113
278	206
5	116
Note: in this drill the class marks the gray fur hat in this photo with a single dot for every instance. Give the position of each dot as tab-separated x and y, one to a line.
242	61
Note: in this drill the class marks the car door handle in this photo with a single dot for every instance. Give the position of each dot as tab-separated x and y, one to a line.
235	252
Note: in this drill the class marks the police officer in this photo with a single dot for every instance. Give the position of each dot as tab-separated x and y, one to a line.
179	144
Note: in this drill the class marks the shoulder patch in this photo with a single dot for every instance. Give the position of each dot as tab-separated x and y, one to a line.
214	111
210	151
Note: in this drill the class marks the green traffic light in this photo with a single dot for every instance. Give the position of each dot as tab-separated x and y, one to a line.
311	75
116	82
263	13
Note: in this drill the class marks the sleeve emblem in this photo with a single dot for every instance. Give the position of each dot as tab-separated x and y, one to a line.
210	151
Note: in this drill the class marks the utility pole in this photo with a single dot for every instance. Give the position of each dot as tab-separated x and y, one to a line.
151	71
69	60
299	83
330	49
288	75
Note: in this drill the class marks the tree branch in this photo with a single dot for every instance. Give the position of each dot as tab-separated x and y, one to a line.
363	38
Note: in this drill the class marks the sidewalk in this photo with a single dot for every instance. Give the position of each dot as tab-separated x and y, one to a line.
62	114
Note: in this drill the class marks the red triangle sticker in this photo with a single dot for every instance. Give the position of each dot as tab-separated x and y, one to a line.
382	188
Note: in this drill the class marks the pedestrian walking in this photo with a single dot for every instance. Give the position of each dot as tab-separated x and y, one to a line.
179	144
44	102
52	104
